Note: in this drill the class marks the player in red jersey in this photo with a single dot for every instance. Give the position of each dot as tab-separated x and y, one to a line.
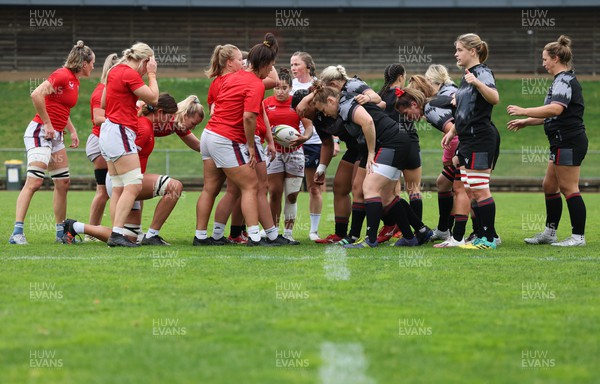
225	60
124	87
53	100
92	146
287	169
153	185
227	141
189	114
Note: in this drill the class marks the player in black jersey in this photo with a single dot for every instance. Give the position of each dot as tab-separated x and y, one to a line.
387	155
344	179
478	147
441	116
328	130
562	116
394	77
412	175
336	77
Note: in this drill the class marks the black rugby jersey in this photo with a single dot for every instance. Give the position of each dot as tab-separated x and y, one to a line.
566	91
473	113
439	111
355	85
447	90
327	126
387	131
390	97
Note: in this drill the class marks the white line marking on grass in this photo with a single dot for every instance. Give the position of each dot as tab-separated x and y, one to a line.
141	257
344	363
335	264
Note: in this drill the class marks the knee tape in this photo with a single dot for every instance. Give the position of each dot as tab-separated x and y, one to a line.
448	172
40	154
36	172
108	182
100	175
116	181
478	180
457	174
132	230
160	186
133	177
61	173
292	185
290	210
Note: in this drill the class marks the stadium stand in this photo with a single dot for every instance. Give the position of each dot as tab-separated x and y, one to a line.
33	37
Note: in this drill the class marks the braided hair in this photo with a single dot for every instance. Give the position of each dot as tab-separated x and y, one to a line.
390	75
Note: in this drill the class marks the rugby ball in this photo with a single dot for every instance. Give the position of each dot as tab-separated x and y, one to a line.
283	134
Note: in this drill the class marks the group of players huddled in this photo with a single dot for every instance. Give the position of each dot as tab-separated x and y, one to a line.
378	129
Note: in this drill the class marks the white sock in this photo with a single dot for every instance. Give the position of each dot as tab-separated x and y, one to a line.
218	230
287	231
79	227
253	233
315	218
272	233
549	231
152	233
578	237
201	234
117	230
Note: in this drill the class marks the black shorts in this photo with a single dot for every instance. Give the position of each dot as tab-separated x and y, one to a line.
478	154
397	157
351	155
363	155
413	158
569	152
497	153
312	155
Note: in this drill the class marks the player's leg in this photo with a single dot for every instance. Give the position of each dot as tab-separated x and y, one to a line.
59	172
98	205
38	157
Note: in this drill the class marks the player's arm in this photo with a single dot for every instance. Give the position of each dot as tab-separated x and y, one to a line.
38	97
191	141
361	117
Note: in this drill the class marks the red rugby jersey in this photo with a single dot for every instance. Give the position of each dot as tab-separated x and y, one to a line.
120	100
59	103
162	129
240	92
144	141
281	113
96	102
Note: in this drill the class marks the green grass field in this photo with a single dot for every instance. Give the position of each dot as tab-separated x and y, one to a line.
524	154
308	314
18	110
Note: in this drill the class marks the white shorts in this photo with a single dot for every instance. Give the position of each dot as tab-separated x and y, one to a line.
92	147
34	138
224	152
291	163
259	150
387	171
116	140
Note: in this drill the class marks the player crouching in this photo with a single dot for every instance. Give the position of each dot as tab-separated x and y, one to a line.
153	185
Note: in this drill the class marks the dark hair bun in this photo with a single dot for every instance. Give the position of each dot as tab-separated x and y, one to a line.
298	96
